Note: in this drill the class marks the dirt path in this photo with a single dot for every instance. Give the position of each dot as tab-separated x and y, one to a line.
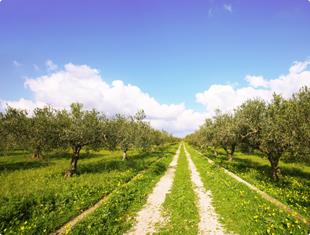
150	215
208	223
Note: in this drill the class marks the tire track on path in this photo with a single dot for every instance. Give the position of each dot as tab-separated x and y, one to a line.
208	223
150	215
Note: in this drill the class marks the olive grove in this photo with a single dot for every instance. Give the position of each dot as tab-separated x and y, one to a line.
46	129
276	128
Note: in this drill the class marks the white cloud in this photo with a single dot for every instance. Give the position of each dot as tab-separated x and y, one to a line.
81	83
298	67
22	103
256	81
16	63
51	66
228	7
227	97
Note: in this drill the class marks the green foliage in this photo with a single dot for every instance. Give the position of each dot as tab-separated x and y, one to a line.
46	129
42	132
14	129
250	118
278	128
83	128
225	132
299	130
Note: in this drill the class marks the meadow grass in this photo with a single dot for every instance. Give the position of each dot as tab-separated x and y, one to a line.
293	189
35	198
180	208
240	209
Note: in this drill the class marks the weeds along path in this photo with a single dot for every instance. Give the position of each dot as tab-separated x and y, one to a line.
64	229
263	194
208	223
150	215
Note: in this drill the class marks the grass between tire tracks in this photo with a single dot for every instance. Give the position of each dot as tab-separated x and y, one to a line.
117	214
180	207
241	210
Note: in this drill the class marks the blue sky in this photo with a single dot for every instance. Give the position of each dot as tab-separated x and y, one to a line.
172	50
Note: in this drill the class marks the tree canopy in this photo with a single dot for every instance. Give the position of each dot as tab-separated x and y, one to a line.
275	128
47	128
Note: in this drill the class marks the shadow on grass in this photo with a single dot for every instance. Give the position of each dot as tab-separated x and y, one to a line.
22	160
136	162
297	181
13	166
9	153
245	165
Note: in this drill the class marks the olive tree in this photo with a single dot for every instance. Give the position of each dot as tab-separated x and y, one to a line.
43	133
249	118
299	127
80	129
275	139
125	134
143	134
2	140
226	133
14	128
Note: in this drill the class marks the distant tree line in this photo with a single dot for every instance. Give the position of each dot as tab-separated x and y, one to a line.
276	129
47	129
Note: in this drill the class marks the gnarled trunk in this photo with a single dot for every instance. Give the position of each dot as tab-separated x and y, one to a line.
275	170
74	159
37	154
125	157
231	152
228	153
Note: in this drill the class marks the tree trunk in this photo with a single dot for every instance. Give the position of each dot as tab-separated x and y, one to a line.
230	157
74	159
231	152
36	154
125	157
275	170
228	153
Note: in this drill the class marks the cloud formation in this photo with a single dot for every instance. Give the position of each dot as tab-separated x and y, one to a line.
81	83
227	97
51	66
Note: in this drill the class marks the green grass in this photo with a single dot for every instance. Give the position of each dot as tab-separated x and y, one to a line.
240	209
293	189
35	198
117	215
179	206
